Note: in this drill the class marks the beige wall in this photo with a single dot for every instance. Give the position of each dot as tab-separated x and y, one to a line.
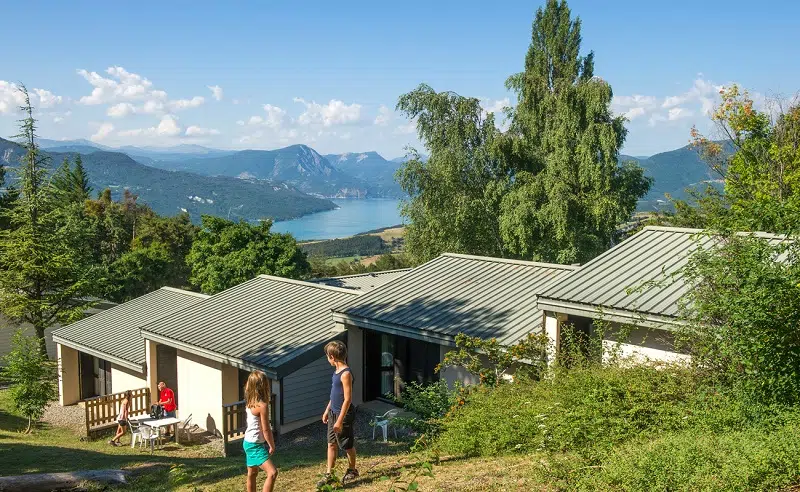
124	379
200	391
355	359
151	374
68	375
638	345
230	384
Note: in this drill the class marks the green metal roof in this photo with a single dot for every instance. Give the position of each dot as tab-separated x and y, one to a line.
114	334
362	281
475	295
639	280
268	323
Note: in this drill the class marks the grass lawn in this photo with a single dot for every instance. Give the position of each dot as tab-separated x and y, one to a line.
199	467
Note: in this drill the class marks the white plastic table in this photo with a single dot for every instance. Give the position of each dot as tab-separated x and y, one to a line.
158	424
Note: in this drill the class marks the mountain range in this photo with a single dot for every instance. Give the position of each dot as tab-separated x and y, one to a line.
171	192
354	174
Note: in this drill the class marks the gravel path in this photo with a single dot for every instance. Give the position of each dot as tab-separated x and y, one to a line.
72	417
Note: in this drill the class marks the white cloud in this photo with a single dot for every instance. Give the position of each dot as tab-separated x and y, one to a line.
384	116
121	110
496	106
196	131
11	98
655	119
102	132
47	99
275	117
127	86
181	104
216	91
153	106
634	113
622	104
255	120
335	112
167	127
678	114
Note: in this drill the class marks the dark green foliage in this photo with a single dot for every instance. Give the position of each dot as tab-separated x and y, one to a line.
765	457
70	184
32	376
587	411
430	403
226	253
743	316
46	272
548	189
361	245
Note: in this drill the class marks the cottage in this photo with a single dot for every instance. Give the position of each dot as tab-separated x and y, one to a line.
638	285
105	353
401	330
272	324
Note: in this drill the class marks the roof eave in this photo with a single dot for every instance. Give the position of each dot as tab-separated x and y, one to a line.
395	329
100	354
208	354
636	318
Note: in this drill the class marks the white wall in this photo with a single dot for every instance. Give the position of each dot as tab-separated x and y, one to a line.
453	374
306	391
124	379
638	345
355	359
200	391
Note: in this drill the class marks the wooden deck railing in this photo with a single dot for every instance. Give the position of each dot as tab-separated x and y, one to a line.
234	423
102	411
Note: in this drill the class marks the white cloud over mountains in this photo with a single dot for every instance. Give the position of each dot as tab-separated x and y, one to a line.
336	112
697	101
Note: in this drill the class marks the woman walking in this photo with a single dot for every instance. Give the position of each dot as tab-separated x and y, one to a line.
122	419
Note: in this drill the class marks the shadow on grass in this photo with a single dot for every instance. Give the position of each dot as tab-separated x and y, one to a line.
12	423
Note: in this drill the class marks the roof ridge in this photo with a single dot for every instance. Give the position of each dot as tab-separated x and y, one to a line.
381	272
687	230
310	284
510	261
186	292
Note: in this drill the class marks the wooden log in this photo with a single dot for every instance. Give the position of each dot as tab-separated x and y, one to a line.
44	482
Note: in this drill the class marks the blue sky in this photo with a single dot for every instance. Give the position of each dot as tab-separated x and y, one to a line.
328	74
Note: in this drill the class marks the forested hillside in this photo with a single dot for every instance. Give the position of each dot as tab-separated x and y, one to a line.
170	193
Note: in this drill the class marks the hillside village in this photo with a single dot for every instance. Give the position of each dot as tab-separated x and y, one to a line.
552	314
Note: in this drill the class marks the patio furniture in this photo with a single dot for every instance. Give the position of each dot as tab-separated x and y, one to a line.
185	429
135	428
383	422
150	435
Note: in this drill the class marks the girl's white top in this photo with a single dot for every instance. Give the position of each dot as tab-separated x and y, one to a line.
253	431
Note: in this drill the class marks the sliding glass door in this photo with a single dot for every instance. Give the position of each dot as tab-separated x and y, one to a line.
390	361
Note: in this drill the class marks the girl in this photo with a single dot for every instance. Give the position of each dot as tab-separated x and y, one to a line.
122	419
256	394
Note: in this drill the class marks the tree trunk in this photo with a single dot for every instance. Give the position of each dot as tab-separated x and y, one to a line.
40	338
30	424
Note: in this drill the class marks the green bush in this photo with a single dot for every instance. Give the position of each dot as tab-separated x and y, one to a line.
749	459
584	410
429	403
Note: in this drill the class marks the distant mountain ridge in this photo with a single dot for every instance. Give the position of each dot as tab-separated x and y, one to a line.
169	192
372	168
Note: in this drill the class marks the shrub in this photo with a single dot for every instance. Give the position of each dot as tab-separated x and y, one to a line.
32	376
750	459
429	403
586	410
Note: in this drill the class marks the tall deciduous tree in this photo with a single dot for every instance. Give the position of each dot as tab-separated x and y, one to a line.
569	192
550	188
45	262
227	253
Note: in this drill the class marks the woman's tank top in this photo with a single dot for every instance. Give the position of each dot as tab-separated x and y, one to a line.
253	431
123	411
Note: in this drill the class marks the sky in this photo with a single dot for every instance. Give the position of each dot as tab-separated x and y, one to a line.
264	75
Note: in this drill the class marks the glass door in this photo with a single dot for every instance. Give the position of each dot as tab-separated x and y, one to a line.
387	364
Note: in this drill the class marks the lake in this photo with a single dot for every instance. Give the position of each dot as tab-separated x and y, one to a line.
352	217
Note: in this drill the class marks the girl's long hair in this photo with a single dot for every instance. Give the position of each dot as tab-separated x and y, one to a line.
257	389
128	397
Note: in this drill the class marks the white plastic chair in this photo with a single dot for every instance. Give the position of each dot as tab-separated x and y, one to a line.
383	422
151	435
136	431
185	428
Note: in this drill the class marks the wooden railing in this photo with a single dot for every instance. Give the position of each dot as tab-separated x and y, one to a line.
102	411
234	423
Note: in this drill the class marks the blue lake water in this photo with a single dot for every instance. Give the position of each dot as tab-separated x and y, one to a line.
352	217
